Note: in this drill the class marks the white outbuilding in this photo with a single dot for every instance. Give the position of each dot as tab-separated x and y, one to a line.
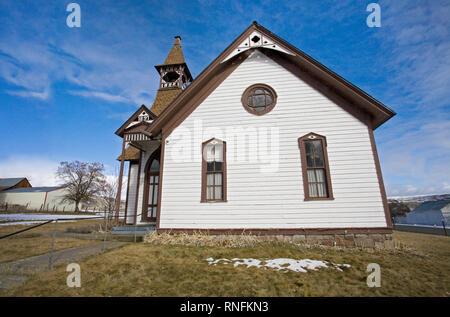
36	198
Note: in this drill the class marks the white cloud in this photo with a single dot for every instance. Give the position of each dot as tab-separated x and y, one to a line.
100	95
41	171
415	50
113	64
28	93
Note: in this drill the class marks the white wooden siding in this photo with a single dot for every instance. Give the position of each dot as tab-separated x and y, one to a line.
132	190
275	199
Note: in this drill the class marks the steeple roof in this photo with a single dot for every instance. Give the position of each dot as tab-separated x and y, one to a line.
165	96
175	55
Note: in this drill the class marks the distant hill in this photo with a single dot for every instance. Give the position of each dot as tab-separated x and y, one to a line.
421	198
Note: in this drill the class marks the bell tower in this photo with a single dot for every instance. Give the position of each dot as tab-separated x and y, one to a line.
174	72
174	77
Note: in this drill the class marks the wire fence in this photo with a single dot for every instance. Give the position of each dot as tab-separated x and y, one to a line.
70	230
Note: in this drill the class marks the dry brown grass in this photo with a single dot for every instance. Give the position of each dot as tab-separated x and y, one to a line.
418	267
31	245
39	240
203	239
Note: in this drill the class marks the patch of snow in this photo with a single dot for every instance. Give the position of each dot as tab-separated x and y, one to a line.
280	264
16	217
13	223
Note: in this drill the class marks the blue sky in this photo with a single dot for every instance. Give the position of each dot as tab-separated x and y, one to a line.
64	91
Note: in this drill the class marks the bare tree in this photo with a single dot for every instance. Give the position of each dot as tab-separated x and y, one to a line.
109	194
83	181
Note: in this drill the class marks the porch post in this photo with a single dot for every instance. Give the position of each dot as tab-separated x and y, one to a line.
137	188
119	188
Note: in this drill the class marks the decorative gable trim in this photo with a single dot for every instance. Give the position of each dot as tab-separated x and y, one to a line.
257	40
142	115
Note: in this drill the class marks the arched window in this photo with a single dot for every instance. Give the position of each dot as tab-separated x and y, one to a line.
151	188
214	171
315	169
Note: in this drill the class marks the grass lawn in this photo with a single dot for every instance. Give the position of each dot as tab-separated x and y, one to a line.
419	267
39	240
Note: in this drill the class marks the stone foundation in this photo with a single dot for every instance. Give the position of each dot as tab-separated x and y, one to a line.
369	240
360	238
375	240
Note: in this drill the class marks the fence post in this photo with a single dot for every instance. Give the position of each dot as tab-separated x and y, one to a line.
106	230
50	259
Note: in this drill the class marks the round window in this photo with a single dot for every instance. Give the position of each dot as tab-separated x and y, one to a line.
259	99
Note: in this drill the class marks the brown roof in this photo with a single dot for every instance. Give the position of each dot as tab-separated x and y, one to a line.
131	154
176	53
163	98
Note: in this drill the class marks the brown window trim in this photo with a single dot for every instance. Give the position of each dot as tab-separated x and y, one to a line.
224	171
301	144
256	86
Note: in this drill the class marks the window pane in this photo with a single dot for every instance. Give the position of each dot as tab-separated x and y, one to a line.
210	166
150	194
311	176
320	175
209	153
309	154
250	101
155	196
149	212
322	190
218	178
218	156
312	190
259	92
318	154
260	100
210	192
154	167
210	179
218	192
218	166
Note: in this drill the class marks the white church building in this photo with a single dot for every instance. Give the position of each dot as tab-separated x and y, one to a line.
265	141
